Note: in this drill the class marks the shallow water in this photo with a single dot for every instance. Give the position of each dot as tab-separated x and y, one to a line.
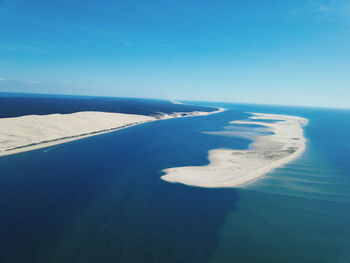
300	212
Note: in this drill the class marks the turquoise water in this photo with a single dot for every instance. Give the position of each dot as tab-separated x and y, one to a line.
100	199
301	212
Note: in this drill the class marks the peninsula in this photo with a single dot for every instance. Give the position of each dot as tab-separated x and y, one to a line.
24	133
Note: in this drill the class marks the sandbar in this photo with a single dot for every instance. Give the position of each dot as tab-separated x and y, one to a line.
234	168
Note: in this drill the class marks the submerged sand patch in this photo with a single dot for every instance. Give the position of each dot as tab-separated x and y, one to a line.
232	168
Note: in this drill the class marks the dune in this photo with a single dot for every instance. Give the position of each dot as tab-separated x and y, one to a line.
31	132
233	168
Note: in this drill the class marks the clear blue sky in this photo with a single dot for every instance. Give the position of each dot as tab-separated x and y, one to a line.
278	52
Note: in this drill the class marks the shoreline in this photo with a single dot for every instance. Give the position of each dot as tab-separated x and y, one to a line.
234	168
23	123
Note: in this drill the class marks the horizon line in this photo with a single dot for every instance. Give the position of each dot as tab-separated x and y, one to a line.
182	100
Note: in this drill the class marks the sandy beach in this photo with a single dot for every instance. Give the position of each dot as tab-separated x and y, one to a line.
31	132
233	168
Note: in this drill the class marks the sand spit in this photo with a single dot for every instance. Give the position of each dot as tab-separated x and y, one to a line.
163	116
232	168
31	132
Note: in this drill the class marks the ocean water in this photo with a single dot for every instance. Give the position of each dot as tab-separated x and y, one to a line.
101	199
19	104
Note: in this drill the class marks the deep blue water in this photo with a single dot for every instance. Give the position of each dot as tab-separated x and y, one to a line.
101	199
19	104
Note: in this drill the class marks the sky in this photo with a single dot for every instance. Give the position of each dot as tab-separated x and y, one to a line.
251	51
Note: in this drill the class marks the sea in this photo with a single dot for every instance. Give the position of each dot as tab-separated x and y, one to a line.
101	199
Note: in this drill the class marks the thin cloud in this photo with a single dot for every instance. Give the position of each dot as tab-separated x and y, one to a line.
140	9
106	33
44	87
323	9
124	40
17	48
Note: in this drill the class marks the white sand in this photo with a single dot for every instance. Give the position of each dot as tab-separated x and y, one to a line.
232	168
187	114
31	132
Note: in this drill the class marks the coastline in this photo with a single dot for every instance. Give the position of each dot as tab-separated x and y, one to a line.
39	131
234	168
